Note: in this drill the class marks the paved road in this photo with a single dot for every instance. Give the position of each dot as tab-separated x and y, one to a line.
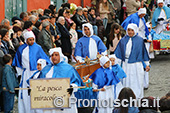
159	77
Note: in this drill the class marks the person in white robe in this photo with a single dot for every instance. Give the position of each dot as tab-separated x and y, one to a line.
118	71
25	61
141	33
60	69
160	16
104	81
131	54
89	45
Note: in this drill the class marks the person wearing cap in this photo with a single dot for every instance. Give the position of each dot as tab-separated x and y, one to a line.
41	63
60	69
89	45
79	20
45	38
118	71
160	16
151	54
25	62
131	55
103	81
138	19
140	22
149	39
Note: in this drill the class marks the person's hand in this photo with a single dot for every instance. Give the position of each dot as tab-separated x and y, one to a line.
102	89
21	43
53	39
147	68
95	90
7	39
70	90
147	5
14	35
108	12
58	36
98	18
115	8
19	33
149	40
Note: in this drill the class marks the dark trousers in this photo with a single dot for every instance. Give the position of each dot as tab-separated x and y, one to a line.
1	102
8	101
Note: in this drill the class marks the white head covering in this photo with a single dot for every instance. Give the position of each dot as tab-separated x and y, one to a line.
142	11
89	26
160	1
28	34
134	27
58	49
42	62
113	56
103	60
148	25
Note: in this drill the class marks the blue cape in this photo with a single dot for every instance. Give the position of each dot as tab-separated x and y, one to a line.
28	81
157	13
63	70
134	18
82	46
118	71
138	51
104	77
35	53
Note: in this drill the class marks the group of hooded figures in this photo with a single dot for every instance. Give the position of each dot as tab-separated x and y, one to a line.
128	67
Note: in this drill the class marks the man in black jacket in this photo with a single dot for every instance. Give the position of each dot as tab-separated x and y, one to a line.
79	20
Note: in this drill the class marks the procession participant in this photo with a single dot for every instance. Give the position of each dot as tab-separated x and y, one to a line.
25	61
41	63
118	71
60	69
131	53
104	79
151	55
89	45
160	15
138	19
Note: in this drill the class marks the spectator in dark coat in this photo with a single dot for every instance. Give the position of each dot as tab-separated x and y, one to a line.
79	20
1	68
55	31
16	37
101	30
45	38
92	19
65	38
37	29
